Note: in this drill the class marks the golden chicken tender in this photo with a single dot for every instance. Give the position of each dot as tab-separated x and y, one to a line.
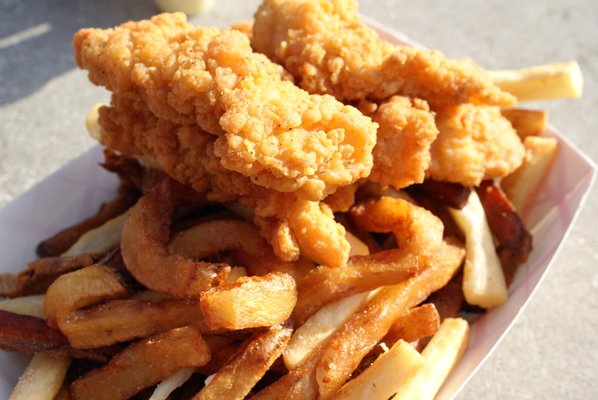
266	128
475	143
324	44
402	153
290	224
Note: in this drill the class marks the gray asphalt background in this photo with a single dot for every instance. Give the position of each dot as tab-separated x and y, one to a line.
552	351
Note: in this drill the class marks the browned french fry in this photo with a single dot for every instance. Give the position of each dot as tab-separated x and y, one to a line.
249	302
367	327
526	122
449	299
39	274
418	323
142	365
323	285
236	379
514	241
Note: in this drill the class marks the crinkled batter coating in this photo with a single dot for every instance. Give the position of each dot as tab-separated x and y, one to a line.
475	143
186	152
328	49
405	134
266	128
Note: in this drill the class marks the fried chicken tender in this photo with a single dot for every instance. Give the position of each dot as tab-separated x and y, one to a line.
292	225
328	49
266	128
475	143
405	134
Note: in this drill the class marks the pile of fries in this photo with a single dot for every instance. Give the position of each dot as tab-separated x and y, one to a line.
227	319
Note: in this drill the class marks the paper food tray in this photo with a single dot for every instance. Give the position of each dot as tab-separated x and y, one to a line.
77	189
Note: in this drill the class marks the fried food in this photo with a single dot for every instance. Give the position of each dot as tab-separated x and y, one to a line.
290	224
237	378
142	365
418	323
264	127
328	49
42	379
405	134
475	143
249	302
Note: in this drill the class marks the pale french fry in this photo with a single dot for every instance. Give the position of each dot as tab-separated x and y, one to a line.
26	305
100	239
42	379
386	375
542	82
483	279
526	122
320	326
523	183
440	355
169	384
358	248
91	122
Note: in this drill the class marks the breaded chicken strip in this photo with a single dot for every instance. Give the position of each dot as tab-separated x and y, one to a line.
405	134
266	128
291	224
328	49
475	143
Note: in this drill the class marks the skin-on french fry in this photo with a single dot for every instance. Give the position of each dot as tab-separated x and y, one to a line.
419	322
449	299
42	379
441	354
144	248
323	285
249	302
542	82
142	365
63	240
236	379
483	279
526	122
514	241
39	274
521	185
385	376
210	238
368	326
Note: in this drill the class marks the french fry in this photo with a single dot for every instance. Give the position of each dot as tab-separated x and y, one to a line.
63	240
323	285
320	326
541	82
440	355
168	385
385	376
27	305
483	279
521	185
236	379
526	122
100	239
249	302
418	323
349	344
42	379
142	365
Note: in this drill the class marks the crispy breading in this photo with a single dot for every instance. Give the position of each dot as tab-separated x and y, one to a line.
266	128
405	134
186	153
475	143
324	44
